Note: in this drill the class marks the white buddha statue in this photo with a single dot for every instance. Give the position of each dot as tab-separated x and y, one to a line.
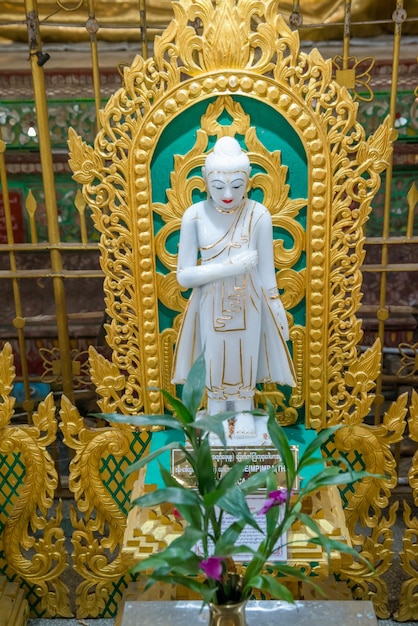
234	315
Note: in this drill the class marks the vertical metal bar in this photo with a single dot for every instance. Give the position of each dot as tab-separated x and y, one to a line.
50	196
347	34
412	198
144	37
18	321
383	313
92	27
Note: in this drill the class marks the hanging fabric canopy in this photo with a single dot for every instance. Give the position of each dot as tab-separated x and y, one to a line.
65	21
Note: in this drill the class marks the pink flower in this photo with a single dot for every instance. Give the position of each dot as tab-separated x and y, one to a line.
212	566
277	497
176	514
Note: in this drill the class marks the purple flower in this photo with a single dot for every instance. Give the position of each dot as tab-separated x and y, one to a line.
277	497
212	566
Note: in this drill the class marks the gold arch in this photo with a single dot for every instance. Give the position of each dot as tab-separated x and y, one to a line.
262	61
344	171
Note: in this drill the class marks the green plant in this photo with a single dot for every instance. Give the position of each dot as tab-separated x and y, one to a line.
204	507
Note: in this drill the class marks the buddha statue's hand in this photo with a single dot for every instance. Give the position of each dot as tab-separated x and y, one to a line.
196	276
244	261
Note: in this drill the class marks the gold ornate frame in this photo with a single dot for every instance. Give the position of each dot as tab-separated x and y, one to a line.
243	47
344	171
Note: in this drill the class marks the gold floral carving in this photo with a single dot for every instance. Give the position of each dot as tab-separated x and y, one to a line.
408	605
51	366
364	505
98	521
355	74
211	53
32	542
409	361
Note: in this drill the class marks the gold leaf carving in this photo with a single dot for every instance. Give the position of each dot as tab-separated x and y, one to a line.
33	541
364	508
349	395
227	40
413	417
408	604
168	290
292	286
108	380
262	60
98	520
7	370
83	160
7	375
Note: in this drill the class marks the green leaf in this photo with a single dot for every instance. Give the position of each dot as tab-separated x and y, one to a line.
176	560
213	424
232	476
327	543
195	385
309	523
204	468
143	421
234	503
280	441
294	572
272	586
144	460
151	562
228	481
183	414
229	537
255	482
187	540
315	446
287	522
237	549
331	545
191	513
174	495
272	517
168	478
331	475
171	561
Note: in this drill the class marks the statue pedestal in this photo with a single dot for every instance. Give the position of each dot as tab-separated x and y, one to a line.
258	438
258	458
150	530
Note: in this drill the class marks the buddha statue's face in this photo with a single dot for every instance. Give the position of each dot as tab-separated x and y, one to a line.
227	189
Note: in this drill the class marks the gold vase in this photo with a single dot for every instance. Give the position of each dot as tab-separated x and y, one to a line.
228	614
